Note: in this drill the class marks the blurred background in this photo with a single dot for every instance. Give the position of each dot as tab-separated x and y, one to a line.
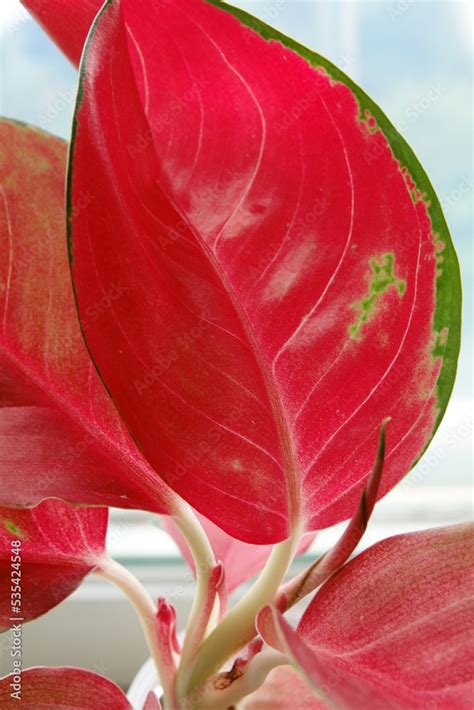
414	58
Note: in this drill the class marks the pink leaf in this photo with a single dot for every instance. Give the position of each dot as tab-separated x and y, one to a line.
62	688
152	702
66	21
391	629
284	688
60	435
241	560
44	554
281	272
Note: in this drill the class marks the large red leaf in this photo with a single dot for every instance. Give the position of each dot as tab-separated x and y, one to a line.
63	688
289	285
66	21
44	555
60	435
393	628
241	560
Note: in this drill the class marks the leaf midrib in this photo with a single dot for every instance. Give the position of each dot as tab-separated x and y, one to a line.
280	419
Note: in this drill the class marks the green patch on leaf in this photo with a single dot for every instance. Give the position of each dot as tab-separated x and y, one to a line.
448	284
14	529
440	342
382	278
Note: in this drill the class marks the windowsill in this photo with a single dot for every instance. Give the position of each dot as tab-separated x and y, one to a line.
96	628
135	538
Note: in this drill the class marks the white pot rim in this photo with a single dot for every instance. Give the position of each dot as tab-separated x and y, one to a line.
145	680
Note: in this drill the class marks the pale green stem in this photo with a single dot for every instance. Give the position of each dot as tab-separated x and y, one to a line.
204	562
253	677
143	604
238	627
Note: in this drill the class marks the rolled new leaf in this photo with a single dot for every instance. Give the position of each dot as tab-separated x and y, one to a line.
317	573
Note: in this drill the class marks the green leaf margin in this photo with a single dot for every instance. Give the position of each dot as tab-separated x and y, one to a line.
448	285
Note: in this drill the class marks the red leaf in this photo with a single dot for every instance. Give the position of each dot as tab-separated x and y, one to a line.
391	629
64	688
241	560
66	21
281	267
60	435
45	553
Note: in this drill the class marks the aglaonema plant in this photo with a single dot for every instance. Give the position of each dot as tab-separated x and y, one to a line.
269	302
